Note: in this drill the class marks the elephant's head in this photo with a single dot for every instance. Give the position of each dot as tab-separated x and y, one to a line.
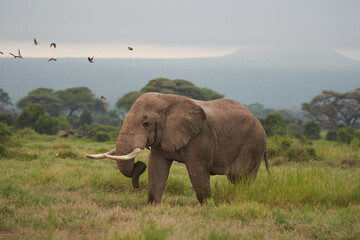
162	121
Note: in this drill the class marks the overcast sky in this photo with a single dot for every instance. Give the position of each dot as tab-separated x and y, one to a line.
176	27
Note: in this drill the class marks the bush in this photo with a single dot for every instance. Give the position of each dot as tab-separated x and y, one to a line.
296	130
345	134
85	127
47	125
312	129
105	128
9	119
63	123
85	118
106	120
291	149
5	133
26	132
102	136
29	115
331	136
274	124
357	134
355	143
73	120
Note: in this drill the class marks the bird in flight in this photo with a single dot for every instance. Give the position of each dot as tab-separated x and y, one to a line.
90	59
52	59
15	56
53	45
130	48
19	54
154	82
35	42
102	97
1	53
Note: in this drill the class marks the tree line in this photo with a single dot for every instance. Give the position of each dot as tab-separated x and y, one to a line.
48	111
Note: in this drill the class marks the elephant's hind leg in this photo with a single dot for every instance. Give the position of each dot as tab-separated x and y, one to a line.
246	166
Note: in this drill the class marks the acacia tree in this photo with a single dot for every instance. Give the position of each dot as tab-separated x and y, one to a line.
332	108
164	85
45	97
79	99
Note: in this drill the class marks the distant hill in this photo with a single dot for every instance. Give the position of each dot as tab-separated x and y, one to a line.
276	77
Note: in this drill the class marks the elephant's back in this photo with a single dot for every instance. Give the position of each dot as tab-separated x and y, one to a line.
229	118
223	109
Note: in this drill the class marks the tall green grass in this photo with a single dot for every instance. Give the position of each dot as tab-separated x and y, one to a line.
70	197
295	186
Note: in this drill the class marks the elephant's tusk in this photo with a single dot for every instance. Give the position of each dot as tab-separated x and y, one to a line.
129	156
100	156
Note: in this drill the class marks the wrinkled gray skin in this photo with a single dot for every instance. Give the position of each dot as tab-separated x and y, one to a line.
213	137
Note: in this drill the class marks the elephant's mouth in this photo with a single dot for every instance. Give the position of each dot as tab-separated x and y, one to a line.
111	155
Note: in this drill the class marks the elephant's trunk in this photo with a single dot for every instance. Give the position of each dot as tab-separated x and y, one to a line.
127	145
124	159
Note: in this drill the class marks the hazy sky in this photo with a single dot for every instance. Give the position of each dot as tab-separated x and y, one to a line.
172	28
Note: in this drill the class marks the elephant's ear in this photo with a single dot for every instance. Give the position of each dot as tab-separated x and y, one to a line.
183	121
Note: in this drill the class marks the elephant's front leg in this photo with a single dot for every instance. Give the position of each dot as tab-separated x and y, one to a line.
158	172
200	179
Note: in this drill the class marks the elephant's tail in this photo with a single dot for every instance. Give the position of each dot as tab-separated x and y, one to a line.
266	160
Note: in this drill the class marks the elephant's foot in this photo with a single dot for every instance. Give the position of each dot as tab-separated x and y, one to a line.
139	168
152	200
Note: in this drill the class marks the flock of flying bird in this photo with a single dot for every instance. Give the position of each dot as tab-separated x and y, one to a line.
90	59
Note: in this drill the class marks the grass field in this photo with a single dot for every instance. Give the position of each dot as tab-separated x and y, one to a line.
70	197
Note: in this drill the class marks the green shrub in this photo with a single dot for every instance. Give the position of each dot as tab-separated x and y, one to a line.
357	134
85	127
105	128
63	123
47	125
312	129
274	124
106	120
73	120
291	149
5	133
345	134
296	130
9	119
102	136
331	136
355	143
85	118
26	132
29	115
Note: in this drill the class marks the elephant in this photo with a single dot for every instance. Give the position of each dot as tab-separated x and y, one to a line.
217	137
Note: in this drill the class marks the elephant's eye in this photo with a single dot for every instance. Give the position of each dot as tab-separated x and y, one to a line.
146	124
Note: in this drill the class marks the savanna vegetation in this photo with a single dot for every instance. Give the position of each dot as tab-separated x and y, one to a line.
49	190
164	85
